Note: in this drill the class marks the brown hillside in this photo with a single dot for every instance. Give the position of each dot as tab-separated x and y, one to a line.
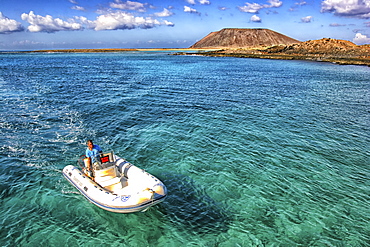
243	38
327	46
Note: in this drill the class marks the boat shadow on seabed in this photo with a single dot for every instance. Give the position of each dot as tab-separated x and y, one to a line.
189	207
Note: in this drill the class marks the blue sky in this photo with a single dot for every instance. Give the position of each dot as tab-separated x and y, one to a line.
59	24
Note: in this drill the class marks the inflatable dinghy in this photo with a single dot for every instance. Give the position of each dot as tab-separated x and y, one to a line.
116	185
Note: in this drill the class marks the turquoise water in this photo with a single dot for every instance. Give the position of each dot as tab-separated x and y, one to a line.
253	152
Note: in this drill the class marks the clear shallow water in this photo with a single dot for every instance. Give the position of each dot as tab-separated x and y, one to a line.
253	152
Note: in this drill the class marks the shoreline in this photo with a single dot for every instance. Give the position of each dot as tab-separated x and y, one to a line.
219	52
363	61
107	50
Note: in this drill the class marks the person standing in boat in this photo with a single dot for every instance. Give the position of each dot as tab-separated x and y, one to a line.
92	153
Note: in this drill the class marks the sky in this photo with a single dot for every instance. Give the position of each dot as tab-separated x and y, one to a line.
68	24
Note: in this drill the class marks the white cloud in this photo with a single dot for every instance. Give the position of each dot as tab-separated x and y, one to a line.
250	8
27	43
84	21
204	2
164	13
337	25
190	10
113	20
301	3
168	23
255	18
348	8
361	39
128	5
255	7
191	2
78	8
121	20
49	24
306	19
273	4
297	5
8	25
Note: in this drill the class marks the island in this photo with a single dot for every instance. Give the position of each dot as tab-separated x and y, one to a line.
258	43
267	44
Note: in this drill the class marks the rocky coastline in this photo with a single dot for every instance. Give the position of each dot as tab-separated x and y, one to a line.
324	50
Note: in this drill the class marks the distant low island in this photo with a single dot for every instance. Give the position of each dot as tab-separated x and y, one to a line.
103	50
261	43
